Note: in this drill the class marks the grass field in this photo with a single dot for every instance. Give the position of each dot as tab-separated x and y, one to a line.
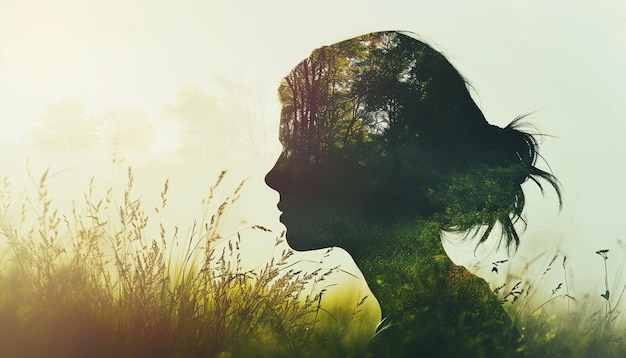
109	279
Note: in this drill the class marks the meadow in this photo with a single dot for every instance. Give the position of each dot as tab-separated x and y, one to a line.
110	278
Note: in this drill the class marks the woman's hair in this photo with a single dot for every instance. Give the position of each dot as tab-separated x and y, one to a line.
520	151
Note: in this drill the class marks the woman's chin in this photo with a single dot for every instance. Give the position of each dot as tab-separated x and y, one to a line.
303	242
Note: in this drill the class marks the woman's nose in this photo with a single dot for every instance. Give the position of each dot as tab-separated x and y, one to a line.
275	177
270	178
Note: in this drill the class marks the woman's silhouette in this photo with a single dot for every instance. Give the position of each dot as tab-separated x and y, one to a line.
383	148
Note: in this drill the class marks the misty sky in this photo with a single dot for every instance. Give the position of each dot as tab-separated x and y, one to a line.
560	61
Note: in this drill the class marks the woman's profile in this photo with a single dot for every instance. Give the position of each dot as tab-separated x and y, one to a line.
383	149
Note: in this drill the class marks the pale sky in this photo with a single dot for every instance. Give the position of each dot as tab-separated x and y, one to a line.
558	59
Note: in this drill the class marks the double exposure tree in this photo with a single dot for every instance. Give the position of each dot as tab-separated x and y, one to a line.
320	109
359	99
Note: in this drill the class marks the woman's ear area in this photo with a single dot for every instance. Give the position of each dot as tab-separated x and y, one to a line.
377	173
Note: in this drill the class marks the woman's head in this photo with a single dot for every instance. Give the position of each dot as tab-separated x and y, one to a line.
380	128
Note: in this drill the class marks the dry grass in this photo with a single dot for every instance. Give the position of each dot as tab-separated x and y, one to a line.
102	282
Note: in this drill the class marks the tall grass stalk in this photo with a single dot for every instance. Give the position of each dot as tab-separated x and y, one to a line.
610	311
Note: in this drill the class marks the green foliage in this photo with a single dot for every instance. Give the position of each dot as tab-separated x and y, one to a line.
433	307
